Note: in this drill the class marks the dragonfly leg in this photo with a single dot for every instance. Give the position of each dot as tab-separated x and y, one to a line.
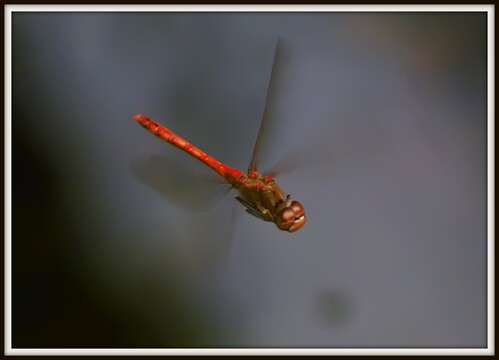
243	202
255	213
250	209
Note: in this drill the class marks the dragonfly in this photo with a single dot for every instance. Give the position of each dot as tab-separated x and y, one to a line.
259	193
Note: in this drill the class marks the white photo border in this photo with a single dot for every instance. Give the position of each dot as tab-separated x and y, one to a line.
489	9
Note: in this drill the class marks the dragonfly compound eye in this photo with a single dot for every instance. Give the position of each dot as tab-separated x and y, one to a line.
297	208
292	217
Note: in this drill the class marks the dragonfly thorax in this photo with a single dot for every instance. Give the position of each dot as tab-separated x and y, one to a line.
264	199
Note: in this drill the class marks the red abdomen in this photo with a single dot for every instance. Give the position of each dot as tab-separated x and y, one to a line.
231	174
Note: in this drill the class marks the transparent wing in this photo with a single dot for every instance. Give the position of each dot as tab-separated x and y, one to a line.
269	102
180	183
339	144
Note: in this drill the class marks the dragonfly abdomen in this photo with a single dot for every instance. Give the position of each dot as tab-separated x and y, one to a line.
230	174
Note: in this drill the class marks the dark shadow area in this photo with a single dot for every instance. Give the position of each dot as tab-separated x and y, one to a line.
61	301
334	308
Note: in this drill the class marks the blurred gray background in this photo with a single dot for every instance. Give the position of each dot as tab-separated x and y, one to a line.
120	240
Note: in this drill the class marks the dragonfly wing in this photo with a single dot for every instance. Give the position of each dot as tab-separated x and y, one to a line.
185	187
269	100
337	146
289	163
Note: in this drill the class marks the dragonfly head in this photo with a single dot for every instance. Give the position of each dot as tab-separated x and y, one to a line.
291	215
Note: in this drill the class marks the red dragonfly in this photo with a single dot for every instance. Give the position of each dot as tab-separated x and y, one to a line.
258	193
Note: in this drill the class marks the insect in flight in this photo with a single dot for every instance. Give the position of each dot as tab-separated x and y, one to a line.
258	193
